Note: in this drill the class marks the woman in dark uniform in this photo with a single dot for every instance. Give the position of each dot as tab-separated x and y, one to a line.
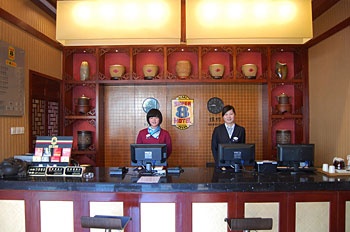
228	132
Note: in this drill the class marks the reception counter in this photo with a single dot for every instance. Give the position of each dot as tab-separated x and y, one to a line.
199	199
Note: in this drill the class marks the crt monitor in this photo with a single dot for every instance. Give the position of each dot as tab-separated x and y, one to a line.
155	154
230	154
295	154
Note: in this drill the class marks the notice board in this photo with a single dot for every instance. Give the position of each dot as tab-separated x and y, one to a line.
12	93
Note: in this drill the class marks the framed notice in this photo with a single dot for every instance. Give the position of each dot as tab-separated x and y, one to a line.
182	112
11	80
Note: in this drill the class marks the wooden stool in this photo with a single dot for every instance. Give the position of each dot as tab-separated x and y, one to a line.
105	222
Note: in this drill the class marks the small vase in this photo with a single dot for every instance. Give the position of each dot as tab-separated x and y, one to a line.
183	69
117	71
249	70
216	71
150	71
281	70
84	71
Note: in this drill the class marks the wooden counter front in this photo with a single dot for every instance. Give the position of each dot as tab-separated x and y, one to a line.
197	200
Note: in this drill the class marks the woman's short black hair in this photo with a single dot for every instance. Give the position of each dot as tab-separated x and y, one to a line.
227	108
154	113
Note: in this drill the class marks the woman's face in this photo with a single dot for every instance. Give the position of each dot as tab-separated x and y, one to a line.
154	121
229	117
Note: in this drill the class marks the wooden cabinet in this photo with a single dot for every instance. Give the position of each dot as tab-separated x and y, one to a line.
293	115
233	57
181	211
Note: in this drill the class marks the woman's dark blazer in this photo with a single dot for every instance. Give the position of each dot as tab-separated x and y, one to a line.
220	135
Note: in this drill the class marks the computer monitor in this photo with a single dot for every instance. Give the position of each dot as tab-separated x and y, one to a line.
233	154
143	154
300	155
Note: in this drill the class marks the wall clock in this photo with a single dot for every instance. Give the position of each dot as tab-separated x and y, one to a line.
215	105
150	103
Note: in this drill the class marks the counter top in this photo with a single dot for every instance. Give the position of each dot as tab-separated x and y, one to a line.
191	180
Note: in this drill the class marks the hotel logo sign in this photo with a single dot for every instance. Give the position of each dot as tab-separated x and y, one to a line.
182	112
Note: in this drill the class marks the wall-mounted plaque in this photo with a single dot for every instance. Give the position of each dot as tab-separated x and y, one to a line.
182	112
11	80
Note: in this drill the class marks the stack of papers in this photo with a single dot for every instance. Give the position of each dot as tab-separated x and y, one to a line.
148	179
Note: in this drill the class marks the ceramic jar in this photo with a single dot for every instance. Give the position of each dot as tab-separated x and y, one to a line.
216	71
281	70
283	136
283	98
117	71
183	69
83	104
249	70
84	140
150	71
84	71
283	103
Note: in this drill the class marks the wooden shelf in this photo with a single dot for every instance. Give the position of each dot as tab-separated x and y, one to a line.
80	117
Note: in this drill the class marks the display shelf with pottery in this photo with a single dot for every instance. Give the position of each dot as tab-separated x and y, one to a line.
182	63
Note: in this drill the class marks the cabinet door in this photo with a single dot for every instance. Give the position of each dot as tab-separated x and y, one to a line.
313	211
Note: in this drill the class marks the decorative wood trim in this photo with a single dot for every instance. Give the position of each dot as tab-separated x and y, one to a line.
340	26
31	30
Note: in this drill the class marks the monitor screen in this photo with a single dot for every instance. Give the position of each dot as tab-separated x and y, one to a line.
289	154
242	154
141	154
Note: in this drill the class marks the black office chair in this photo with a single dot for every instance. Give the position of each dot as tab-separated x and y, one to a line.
247	224
105	222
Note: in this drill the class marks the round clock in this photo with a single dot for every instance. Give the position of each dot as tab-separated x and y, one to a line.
215	105
150	103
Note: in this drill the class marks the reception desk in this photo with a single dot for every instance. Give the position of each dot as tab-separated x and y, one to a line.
199	199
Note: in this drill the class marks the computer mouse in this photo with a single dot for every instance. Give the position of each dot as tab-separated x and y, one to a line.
223	169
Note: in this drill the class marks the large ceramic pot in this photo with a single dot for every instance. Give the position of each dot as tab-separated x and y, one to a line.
84	71
249	70
150	71
117	71
183	69
281	70
216	71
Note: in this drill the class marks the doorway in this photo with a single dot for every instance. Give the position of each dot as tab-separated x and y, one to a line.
44	106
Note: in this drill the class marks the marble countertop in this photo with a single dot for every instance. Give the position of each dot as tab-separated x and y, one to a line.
191	180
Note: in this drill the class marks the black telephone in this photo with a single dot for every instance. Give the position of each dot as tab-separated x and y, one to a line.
13	167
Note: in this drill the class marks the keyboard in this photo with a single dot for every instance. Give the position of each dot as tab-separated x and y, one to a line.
299	169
